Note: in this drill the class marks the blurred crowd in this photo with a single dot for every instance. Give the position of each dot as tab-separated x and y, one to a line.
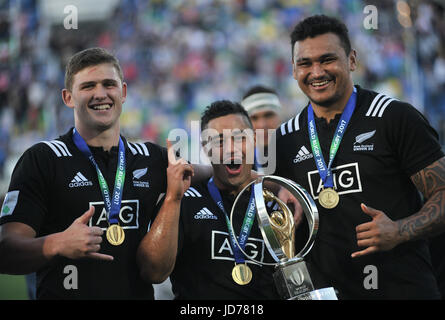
179	56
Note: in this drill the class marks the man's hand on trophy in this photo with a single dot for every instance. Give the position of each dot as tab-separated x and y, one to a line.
380	234
293	204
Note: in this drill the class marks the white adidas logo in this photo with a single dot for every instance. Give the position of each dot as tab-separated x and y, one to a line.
303	154
80	181
205	213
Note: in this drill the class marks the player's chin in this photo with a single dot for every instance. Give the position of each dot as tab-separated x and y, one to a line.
105	121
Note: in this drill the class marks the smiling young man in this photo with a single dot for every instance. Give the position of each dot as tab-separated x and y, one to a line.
193	243
78	206
362	150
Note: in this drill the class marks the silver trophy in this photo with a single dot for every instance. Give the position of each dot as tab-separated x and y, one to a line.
277	225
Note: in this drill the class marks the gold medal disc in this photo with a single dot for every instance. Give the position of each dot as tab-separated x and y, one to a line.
328	198
115	234
241	274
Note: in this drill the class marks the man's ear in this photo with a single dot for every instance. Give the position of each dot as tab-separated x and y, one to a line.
124	91
294	70
207	149
352	60
67	98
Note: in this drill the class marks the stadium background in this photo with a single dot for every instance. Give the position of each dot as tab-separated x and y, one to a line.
179	56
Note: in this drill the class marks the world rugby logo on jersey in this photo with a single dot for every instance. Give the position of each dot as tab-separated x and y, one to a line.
79	180
222	249
128	215
346	180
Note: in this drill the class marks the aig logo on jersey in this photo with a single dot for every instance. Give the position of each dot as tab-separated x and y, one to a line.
346	180
222	249
128	215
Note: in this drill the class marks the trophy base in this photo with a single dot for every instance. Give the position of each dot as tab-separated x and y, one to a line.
293	282
320	294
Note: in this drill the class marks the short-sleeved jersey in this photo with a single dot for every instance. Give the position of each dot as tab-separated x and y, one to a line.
54	183
385	143
205	259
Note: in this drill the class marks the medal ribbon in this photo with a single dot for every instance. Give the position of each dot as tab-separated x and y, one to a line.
325	171
247	222
259	167
112	205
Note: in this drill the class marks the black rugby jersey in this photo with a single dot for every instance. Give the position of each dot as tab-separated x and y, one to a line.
385	143
53	183
204	264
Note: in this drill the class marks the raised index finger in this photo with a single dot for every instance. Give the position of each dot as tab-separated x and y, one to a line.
171	153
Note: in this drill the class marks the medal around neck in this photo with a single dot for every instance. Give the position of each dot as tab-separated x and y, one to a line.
279	230
328	198
241	274
115	235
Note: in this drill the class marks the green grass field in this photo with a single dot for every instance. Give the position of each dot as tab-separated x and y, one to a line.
12	287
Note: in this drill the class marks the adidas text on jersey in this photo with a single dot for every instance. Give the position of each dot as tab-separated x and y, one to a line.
80	181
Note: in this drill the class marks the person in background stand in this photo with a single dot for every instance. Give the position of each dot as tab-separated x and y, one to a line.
263	106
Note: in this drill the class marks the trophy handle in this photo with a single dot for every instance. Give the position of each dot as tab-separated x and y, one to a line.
267	231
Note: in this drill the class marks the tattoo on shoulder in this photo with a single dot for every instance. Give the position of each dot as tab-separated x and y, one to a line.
431	179
430	220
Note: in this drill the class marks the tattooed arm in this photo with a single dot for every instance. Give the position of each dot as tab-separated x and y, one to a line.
383	234
430	220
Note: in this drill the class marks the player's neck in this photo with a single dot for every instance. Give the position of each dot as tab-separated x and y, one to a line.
96	138
329	112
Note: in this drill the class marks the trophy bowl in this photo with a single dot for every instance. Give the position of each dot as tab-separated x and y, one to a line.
280	233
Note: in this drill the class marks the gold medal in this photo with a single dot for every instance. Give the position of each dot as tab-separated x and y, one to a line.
115	234
241	274
328	198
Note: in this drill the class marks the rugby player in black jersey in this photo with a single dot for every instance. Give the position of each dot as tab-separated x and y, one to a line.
365	158
56	215
191	240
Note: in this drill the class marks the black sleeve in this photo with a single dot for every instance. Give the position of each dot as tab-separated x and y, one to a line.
28	193
181	226
164	156
413	139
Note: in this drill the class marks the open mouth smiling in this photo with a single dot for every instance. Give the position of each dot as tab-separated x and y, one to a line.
102	106
233	166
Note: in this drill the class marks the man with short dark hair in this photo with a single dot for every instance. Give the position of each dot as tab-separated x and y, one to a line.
78	206
193	244
355	150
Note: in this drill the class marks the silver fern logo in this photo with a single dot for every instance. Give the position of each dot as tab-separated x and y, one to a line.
361	138
137	175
